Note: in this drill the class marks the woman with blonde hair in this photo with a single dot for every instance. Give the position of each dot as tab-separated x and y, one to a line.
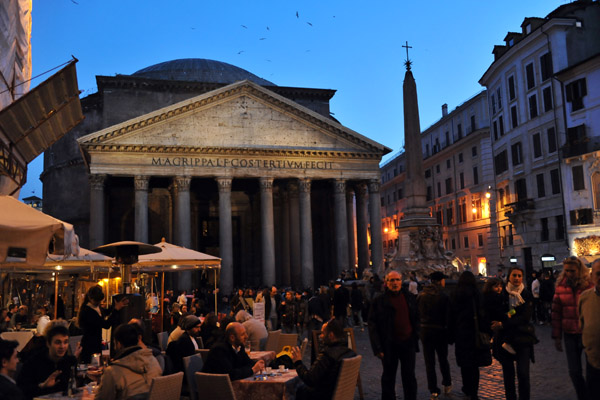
573	279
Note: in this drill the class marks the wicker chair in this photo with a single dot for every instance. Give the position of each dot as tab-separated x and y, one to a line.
347	378
287	339
163	338
166	387
273	341
192	364
215	386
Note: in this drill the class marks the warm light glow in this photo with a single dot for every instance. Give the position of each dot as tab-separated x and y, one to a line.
488	195
101	283
385	230
174	266
58	268
474	210
481	266
105	280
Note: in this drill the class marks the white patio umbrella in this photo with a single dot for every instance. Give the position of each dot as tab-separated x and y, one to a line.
174	258
27	233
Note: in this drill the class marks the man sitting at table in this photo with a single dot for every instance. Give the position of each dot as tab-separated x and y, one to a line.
229	357
48	371
186	345
8	367
319	381
130	373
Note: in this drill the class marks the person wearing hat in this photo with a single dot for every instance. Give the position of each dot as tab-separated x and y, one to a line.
186	345
434	311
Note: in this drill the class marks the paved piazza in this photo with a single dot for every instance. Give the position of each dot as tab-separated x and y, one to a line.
549	376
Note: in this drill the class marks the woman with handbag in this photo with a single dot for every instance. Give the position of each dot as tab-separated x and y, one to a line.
466	326
516	327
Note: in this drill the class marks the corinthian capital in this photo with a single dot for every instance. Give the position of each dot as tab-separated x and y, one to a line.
374	186
339	186
304	185
361	189
266	184
181	183
224	184
97	181
141	182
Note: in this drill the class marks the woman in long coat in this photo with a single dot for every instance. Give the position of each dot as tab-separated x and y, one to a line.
517	330
464	303
93	318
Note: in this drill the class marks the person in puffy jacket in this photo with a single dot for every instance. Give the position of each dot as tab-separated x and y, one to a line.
131	373
571	282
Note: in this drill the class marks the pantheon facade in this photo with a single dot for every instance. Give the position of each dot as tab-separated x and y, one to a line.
214	158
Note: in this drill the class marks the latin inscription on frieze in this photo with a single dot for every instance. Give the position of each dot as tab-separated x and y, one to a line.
208	162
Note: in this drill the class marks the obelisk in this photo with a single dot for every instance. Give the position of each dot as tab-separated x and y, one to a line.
419	242
416	211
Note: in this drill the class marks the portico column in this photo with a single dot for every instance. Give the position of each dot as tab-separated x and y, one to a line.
362	222
225	234
183	230
341	227
267	233
350	224
286	274
376	236
295	263
306	245
97	210
141	208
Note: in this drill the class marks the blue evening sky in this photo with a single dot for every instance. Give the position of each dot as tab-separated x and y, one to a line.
351	46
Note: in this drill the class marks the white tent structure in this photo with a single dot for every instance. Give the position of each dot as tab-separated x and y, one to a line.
27	233
175	258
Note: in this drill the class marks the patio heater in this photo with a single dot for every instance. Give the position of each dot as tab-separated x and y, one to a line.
125	255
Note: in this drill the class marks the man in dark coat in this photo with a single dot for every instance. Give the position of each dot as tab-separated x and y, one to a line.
319	381
229	357
434	313
8	367
186	345
50	369
341	299
393	330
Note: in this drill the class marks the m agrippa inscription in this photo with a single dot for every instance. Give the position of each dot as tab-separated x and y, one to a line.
209	162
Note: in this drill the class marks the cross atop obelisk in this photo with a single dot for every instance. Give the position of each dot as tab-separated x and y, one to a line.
407	62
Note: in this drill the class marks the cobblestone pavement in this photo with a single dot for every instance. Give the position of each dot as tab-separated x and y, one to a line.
549	377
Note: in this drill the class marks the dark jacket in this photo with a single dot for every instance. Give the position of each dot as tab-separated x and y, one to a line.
518	329
356	299
462	326
38	368
8	390
434	308
381	321
182	347
223	359
92	324
341	299
322	375
288	313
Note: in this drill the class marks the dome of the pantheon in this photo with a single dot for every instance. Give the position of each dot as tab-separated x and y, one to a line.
199	70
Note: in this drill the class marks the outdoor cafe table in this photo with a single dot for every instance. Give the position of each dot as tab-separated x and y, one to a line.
277	387
266	356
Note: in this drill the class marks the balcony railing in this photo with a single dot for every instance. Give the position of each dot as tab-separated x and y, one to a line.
588	145
519	208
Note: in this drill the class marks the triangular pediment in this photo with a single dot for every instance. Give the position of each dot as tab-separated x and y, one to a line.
243	115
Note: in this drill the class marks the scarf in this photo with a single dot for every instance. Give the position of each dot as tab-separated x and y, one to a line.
514	294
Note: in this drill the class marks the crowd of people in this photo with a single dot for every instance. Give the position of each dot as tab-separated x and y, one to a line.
482	319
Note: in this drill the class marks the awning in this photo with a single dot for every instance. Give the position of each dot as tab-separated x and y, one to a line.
38	119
